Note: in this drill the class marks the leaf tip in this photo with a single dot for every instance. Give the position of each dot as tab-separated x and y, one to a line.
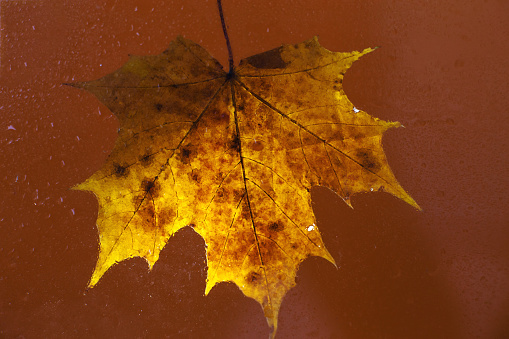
395	124
314	41
78	187
180	38
409	200
209	285
75	84
419	208
347	201
367	51
91	284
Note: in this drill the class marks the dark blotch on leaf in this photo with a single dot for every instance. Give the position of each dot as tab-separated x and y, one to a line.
275	226
256	145
150	186
235	143
253	277
119	170
368	160
245	214
195	177
147	214
238	194
267	60
166	216
146	159
158	106
185	154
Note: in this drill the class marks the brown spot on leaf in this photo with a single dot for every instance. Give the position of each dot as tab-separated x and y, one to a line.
120	170
185	155
158	106
166	216
234	144
238	194
359	136
148	212
146	159
368	160
138	199
338	84
151	187
253	277
195	177
256	145
148	216
245	213
276	226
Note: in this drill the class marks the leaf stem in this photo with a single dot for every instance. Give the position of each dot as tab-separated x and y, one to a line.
230	53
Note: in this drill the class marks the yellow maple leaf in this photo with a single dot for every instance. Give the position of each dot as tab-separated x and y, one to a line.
234	155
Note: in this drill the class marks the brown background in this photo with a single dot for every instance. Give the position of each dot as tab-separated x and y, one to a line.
442	71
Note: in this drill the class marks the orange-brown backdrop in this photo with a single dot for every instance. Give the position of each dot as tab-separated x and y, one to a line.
442	273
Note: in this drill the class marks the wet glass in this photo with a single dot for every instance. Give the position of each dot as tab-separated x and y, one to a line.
441	273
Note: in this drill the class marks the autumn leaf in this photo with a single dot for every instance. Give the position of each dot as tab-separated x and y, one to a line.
233	155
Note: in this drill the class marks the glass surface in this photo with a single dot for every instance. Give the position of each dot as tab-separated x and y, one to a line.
441	273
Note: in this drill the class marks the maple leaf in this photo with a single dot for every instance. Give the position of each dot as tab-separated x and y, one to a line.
234	155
